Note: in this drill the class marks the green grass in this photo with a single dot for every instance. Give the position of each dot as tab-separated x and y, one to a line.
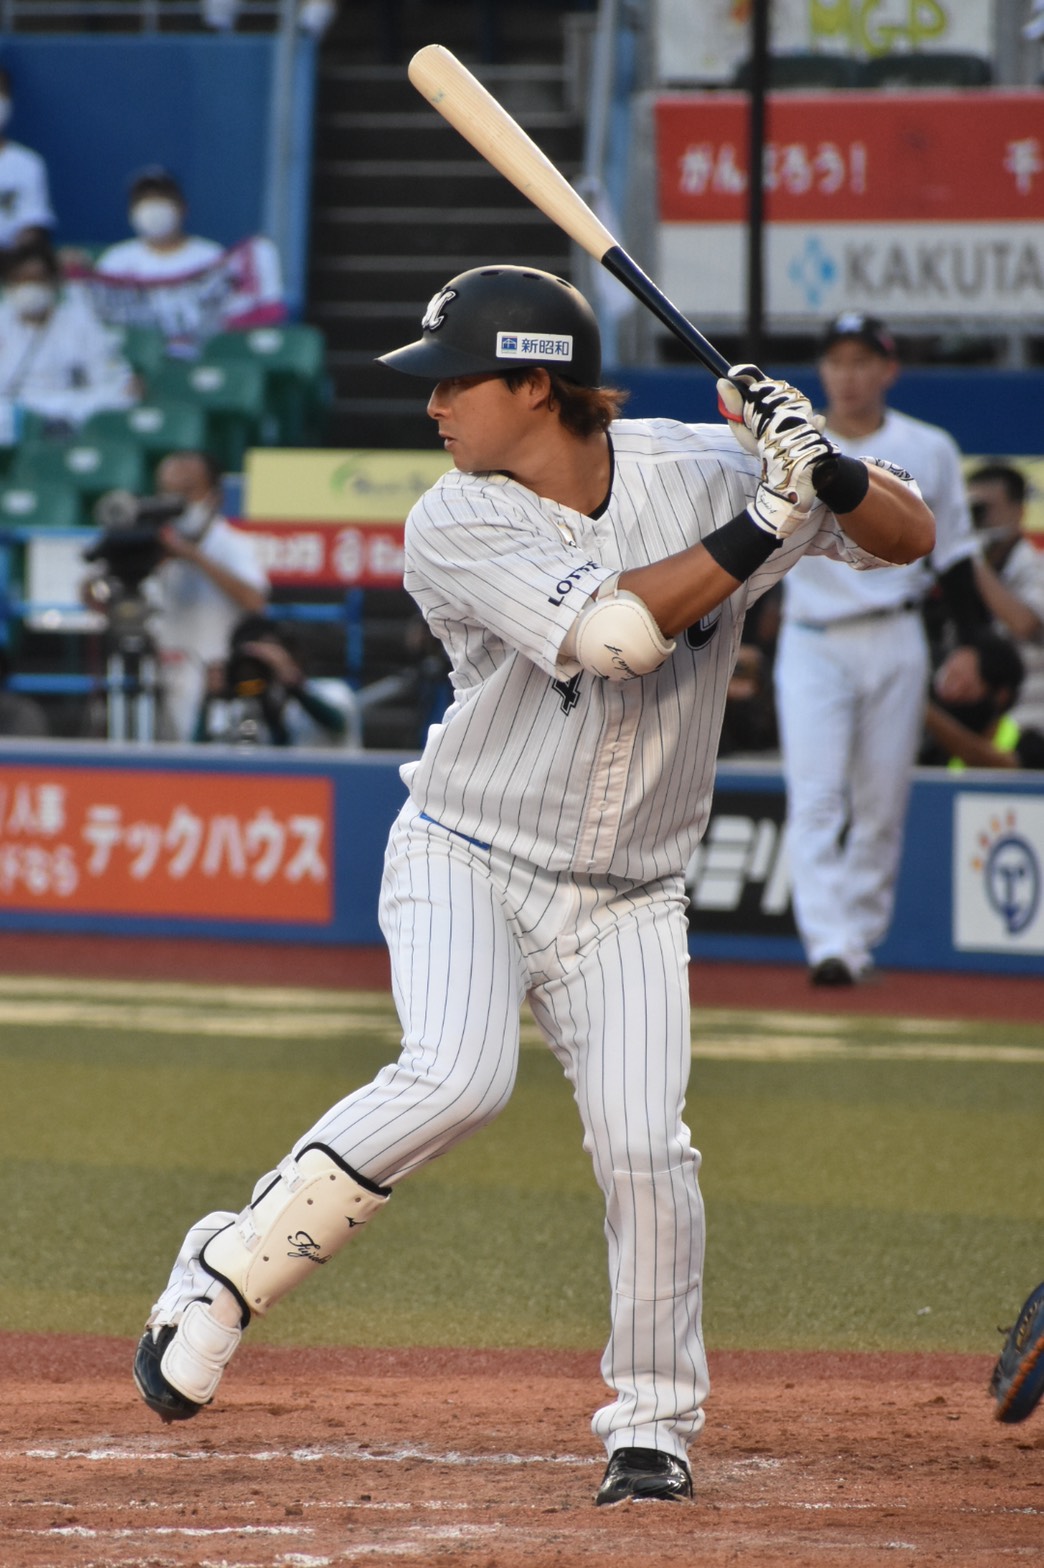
869	1183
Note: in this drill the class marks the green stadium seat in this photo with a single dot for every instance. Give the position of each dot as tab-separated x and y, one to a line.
144	348
158	427
232	396
90	466
43	504
296	386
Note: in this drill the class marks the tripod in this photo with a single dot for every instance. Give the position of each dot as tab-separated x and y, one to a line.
131	671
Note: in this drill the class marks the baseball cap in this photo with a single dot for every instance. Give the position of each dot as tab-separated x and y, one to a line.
864	329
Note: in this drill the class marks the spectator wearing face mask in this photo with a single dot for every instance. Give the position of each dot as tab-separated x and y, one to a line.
57	358
161	248
25	202
187	286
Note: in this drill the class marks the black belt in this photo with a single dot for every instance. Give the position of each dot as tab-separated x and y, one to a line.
906	608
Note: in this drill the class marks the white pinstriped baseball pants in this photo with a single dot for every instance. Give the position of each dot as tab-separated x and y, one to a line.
472	933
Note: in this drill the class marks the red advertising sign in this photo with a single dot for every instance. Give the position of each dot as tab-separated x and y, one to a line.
876	156
242	846
328	555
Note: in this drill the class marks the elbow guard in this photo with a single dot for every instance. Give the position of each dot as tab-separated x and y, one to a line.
616	636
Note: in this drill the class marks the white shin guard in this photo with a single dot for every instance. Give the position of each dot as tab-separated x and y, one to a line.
306	1215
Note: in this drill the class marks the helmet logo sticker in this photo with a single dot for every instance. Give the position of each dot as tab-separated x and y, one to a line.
554	346
434	316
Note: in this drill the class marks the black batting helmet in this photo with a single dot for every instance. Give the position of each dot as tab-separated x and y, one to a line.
502	318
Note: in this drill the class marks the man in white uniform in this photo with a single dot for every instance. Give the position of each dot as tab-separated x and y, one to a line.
588	577
1011	578
210	579
852	669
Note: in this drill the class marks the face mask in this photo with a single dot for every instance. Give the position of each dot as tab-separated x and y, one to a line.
155	219
29	300
5	111
193	522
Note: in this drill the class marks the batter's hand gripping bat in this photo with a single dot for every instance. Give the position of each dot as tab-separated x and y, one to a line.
462	100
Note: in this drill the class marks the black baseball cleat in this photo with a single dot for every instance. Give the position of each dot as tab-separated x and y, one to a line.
153	1387
645	1475
831	971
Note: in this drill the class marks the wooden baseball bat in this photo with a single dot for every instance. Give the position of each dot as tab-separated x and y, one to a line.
462	100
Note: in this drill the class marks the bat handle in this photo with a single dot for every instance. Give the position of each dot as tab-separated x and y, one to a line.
622	266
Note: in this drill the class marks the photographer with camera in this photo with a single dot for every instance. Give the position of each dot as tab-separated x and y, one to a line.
189	574
262	696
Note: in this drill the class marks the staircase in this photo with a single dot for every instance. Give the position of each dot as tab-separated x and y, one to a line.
401	203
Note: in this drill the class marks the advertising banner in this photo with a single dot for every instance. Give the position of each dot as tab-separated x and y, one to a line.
316	485
323	555
333	519
243	845
861	29
739	880
902	204
998	873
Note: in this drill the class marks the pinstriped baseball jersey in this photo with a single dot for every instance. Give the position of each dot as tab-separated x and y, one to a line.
537	756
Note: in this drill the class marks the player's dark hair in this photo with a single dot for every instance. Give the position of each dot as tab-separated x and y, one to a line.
1012	479
999	661
584	411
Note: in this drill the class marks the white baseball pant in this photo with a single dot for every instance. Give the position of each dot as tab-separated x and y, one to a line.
850	702
472	932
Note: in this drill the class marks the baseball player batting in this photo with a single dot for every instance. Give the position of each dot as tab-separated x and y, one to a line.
587	576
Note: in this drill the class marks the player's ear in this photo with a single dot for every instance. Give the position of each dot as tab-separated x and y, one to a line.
535	387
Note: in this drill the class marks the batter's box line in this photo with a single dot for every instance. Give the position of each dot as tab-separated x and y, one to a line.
310	1455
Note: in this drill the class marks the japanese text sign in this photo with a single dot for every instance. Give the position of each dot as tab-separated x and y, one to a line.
234	846
920	205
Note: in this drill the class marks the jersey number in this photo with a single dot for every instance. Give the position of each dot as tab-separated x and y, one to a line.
569	691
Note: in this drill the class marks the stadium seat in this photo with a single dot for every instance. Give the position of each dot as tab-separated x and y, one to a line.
803	70
158	427
90	466
144	348
294	362
927	68
232	395
45	503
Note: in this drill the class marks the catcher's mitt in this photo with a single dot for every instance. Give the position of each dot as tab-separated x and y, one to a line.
1018	1378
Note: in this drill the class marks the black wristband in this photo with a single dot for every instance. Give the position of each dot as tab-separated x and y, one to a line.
841	482
740	546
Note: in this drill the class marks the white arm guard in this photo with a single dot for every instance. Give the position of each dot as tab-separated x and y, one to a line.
616	637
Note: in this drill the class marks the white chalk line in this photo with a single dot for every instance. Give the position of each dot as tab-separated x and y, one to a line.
122	1454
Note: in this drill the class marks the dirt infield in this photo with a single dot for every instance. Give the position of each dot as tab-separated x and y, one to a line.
322	1457
330	1457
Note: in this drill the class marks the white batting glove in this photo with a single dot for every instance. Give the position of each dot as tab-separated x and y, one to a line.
774	420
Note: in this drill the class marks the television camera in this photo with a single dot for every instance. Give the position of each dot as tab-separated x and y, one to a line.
129	548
